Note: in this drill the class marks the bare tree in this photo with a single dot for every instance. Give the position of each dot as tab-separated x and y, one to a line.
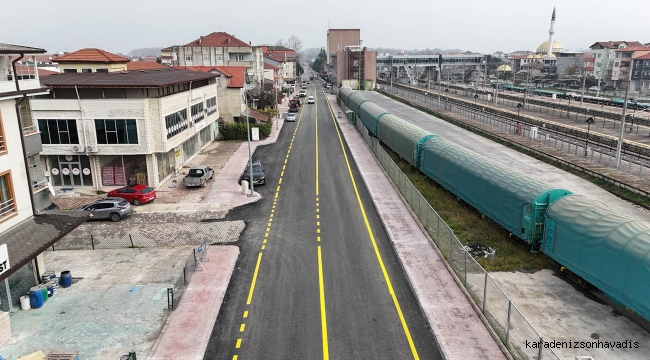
294	43
279	43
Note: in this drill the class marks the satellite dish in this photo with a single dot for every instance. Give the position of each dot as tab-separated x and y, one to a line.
51	188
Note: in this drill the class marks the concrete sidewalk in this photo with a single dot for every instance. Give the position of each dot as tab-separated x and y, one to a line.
188	329
453	318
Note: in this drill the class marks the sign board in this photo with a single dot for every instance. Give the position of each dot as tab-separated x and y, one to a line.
4	259
177	156
55	171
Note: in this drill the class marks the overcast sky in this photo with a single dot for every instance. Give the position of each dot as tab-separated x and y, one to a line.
475	25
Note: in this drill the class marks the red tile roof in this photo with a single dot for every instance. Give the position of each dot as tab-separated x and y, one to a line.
269	66
92	55
218	39
643	57
634	48
143	65
252	113
237	75
615	44
197	68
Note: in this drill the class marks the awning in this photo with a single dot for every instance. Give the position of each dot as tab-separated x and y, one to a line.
32	236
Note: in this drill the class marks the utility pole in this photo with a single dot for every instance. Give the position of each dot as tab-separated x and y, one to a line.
622	129
360	56
600	77
584	79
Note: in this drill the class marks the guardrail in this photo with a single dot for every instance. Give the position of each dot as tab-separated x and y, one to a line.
502	315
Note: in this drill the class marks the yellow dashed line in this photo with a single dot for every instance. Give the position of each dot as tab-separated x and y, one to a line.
245	314
268	229
282	173
317	204
318	231
241	327
317	210
317	238
263	247
285	161
265	241
238	343
278	190
280	182
235	357
317	223
317	216
266	235
269	224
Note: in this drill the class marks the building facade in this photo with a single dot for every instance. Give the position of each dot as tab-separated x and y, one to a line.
604	53
124	128
338	39
91	60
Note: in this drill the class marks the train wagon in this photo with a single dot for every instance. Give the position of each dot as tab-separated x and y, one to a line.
513	199
403	137
344	94
609	250
355	100
370	113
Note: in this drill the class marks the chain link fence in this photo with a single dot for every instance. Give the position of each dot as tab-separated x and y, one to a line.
516	333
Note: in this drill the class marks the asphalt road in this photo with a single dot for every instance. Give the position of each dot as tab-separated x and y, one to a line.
316	267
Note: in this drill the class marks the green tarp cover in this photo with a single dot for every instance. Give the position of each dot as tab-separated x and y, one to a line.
401	136
369	113
345	95
492	188
356	99
608	249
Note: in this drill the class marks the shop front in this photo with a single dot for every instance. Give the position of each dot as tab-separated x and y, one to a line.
70	170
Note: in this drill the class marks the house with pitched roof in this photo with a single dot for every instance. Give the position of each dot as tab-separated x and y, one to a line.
106	129
91	60
231	94
26	228
220	49
604	58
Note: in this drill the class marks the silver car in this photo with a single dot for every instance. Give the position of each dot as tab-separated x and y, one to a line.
113	208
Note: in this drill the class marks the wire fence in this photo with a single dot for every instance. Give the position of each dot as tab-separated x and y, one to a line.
503	316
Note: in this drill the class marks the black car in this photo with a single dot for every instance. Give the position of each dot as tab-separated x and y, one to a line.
258	173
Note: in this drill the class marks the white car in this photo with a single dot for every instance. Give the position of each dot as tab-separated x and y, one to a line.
310	100
291	116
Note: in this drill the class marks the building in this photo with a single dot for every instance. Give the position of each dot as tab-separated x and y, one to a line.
111	129
220	49
640	78
92	60
356	67
25	228
338	40
285	56
167	56
622	67
604	54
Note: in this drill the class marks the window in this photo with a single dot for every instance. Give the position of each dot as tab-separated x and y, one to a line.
188	57
69	70
86	70
58	131
101	70
239	57
219	57
218	81
116	131
176	123
616	64
197	112
7	201
206	57
3	145
211	105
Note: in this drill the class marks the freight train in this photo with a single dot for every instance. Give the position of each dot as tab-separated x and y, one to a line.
595	244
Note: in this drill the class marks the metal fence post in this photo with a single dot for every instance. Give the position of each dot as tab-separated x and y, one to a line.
465	268
438	235
484	293
184	276
170	298
451	239
194	251
92	241
130	238
541	346
508	323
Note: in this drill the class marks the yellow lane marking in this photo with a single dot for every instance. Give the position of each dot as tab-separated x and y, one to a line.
280	182
252	289
318	231
278	190
317	223
268	229
238	343
317	238
241	327
282	173
245	314
235	357
263	247
264	241
323	315
316	148
414	351
285	161
317	216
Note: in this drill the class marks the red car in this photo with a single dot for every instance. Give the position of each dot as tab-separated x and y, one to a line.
135	194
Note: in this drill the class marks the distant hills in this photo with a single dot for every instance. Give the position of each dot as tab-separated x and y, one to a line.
152	51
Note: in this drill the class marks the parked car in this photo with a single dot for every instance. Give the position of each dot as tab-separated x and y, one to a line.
113	208
606	88
303	93
297	99
574	86
310	100
303	86
135	194
258	173
291	116
198	176
593	88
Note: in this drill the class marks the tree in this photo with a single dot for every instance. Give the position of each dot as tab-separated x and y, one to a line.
294	43
591	81
265	96
319	64
280	43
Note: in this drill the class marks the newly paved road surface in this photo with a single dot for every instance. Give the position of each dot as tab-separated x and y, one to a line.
317	277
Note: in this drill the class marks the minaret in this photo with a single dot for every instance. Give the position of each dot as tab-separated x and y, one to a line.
551	32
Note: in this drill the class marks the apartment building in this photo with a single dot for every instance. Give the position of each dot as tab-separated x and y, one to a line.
26	230
221	49
604	53
112	129
92	60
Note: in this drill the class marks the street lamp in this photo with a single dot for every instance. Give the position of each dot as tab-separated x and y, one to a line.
447	97
360	55
519	106
589	121
475	98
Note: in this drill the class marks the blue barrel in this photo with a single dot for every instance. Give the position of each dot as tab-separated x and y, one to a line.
66	279
50	290
36	298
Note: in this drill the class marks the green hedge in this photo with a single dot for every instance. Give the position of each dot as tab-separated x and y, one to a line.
237	131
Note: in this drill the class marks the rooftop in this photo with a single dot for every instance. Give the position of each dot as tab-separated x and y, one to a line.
235	74
140	78
92	55
18	49
218	39
143	65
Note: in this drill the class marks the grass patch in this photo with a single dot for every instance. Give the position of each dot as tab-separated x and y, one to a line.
470	226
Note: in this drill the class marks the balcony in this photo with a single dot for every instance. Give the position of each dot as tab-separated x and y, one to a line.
7	208
33	145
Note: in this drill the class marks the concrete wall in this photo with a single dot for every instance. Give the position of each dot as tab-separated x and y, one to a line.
94	66
13	161
338	39
231	103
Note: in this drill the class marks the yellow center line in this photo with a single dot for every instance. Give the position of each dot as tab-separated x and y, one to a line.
238	343
374	244
245	314
252	289
241	327
323	315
